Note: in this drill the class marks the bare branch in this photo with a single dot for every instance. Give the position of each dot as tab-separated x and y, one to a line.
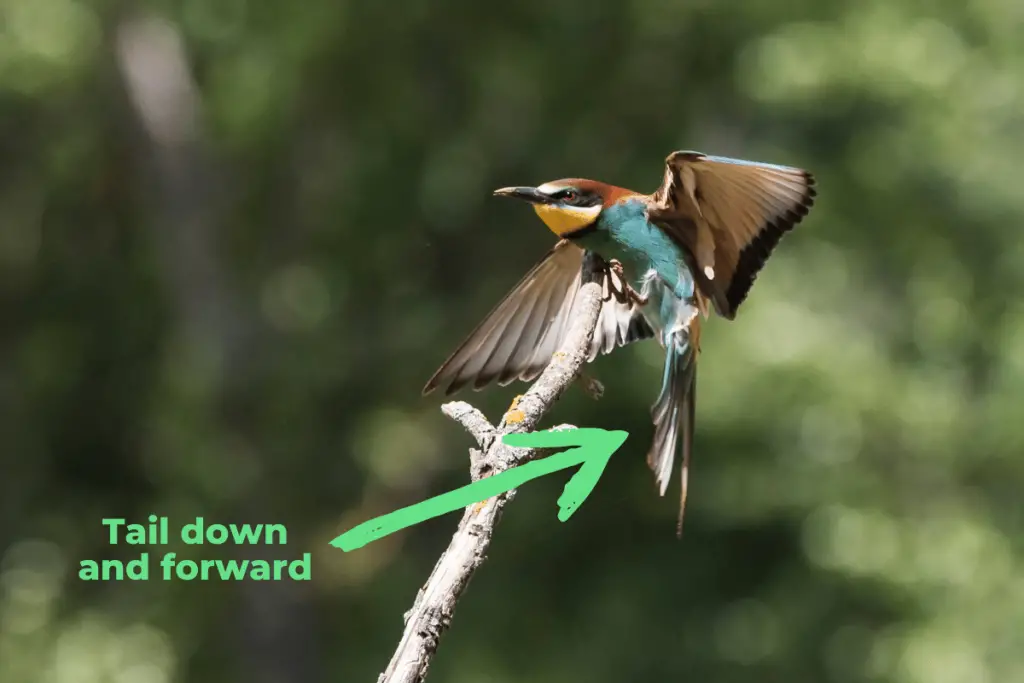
473	420
431	614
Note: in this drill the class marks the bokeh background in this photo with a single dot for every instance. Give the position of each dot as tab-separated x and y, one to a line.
236	237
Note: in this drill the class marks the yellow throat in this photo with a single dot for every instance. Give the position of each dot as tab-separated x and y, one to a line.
563	220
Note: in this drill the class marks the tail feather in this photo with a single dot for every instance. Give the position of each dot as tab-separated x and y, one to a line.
673	413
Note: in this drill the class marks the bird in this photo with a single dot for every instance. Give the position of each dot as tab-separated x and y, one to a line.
695	244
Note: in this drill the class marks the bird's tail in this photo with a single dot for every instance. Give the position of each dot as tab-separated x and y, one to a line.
673	412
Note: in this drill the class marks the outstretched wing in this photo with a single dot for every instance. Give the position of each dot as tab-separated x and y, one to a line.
517	339
748	206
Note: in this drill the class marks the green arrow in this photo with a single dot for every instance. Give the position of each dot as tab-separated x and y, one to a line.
592	448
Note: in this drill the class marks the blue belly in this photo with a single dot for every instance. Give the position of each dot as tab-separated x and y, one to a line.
652	261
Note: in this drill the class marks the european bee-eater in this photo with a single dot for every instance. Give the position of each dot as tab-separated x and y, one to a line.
702	236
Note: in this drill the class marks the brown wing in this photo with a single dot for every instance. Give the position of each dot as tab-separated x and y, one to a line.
517	339
749	206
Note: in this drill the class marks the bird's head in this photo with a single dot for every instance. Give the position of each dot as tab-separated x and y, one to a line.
566	206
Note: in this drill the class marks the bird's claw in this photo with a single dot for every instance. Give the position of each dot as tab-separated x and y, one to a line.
591	385
635	296
627	291
614	266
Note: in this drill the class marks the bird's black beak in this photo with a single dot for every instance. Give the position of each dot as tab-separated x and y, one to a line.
528	194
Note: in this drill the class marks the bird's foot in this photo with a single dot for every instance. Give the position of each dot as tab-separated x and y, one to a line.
616	267
635	296
591	385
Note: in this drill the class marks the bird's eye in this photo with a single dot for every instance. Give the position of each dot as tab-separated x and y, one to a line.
569	196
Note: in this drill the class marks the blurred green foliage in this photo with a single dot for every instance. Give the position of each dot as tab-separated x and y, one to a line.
236	237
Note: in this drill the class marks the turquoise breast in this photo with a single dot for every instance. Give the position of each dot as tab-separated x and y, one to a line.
624	233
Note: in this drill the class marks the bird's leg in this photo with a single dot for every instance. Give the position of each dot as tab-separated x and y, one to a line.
631	293
635	295
591	385
612	291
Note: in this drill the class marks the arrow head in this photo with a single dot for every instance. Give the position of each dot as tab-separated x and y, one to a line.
592	449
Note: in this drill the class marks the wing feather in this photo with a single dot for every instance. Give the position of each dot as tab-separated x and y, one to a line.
748	206
518	337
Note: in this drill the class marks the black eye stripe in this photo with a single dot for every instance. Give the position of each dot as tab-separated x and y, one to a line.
575	197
